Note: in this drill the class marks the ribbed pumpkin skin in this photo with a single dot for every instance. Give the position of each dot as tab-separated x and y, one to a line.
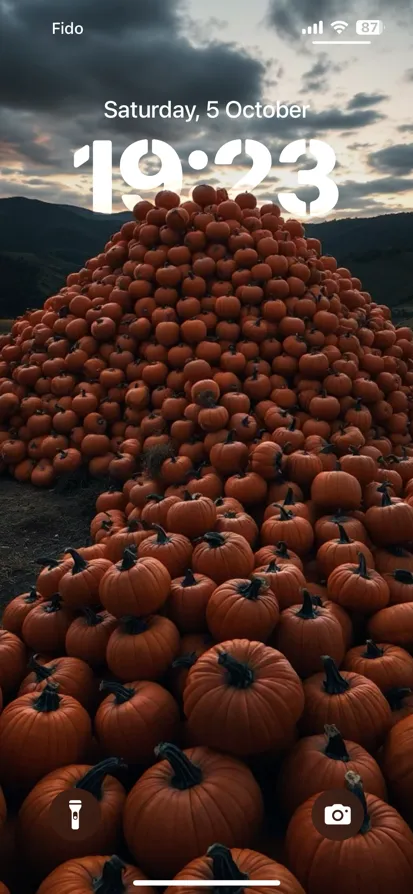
307	770
33	743
398	766
34	826
226	806
79	877
379	861
394	668
256	865
362	712
232	719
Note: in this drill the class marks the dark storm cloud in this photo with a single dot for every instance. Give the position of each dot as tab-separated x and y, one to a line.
128	52
287	17
405	128
317	77
395	159
364	100
335	119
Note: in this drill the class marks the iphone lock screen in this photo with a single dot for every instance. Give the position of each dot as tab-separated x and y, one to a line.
206	446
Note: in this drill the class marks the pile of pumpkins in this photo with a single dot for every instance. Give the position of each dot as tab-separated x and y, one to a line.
238	635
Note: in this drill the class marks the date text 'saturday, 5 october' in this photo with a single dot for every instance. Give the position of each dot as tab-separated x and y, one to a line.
232	110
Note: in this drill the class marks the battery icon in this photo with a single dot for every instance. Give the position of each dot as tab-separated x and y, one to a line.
369	27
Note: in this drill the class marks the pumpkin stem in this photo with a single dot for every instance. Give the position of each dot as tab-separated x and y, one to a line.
355	785
186	773
132	625
156	498
307	611
372	651
251	589
282	551
336	747
214	539
189	580
48	700
361	569
334	683
224	867
79	563
285	514
53	604
93	779
162	536
128	559
47	563
185	661
41	671
122	693
92	618
238	673
31	596
110	882
272	567
289	499
402	576
343	536
396	695
385	500
230	439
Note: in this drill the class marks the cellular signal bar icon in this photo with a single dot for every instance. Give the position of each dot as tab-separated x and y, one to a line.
313	29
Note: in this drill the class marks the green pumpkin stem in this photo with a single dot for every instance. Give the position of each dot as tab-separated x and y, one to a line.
128	559
79	563
403	576
238	673
224	867
335	747
361	569
162	536
122	693
48	700
307	611
372	650
92	780
54	604
41	672
289	499
343	536
214	539
32	596
334	683
156	498
133	626
189	580
186	773
47	563
92	617
186	661
281	550
110	882
251	589
396	695
386	500
355	786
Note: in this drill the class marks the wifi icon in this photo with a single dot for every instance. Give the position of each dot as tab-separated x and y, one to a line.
339	27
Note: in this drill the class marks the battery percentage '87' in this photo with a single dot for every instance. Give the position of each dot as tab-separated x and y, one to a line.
369	27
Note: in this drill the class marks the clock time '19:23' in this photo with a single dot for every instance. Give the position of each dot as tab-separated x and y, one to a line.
170	174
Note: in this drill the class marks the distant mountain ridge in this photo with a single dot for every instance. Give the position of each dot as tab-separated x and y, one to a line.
40	243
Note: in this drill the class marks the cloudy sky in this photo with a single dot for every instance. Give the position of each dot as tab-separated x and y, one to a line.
53	90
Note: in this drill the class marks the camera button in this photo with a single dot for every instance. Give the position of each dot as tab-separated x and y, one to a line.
337	814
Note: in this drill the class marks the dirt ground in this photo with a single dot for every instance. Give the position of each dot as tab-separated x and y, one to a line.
36	523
